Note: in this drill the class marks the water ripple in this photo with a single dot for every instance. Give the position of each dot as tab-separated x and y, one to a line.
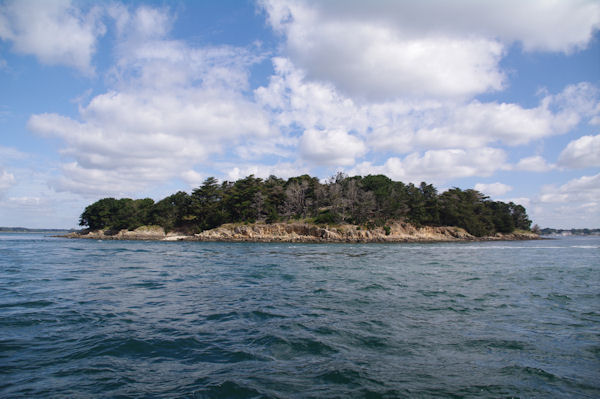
218	320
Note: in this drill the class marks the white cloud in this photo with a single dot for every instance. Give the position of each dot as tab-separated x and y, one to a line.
434	48
584	189
25	202
54	31
573	204
476	124
402	126
173	107
382	61
127	140
283	170
141	24
437	166
533	164
331	147
30	202
9	153
520	201
581	153
533	23
193	178
493	189
295	101
7	180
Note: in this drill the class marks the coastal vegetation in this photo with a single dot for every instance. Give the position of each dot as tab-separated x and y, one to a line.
372	201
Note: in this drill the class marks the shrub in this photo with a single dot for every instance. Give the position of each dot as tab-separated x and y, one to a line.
326	217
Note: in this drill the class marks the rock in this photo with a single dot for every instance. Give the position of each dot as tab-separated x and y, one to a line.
303	232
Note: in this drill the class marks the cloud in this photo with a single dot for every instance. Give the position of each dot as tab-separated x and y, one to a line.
525	201
573	204
9	153
432	49
382	61
193	178
476	124
584	189
401	126
493	189
331	147
172	107
7	180
25	202
141	24
127	140
55	32
437	166
581	153
283	170
533	164
294	100
532	24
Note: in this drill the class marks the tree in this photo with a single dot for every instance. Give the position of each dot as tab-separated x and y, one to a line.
382	187
431	205
295	199
238	199
519	215
374	199
99	215
173	211
501	216
206	204
466	209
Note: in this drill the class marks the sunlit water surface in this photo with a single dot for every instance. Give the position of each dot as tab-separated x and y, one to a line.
82	318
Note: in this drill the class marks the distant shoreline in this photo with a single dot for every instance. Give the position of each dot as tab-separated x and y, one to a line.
27	230
305	233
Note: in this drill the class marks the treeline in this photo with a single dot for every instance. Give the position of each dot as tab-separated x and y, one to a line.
573	232
373	200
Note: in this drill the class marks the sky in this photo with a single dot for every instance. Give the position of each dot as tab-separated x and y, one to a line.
145	98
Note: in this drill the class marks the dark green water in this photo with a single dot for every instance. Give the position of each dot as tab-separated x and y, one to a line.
81	319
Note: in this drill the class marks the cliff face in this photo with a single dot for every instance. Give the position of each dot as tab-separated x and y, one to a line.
302	232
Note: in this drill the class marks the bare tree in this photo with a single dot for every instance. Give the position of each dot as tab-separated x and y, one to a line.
295	202
258	204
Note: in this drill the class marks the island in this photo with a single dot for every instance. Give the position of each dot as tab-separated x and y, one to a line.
373	208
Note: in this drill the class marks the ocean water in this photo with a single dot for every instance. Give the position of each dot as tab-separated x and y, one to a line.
104	319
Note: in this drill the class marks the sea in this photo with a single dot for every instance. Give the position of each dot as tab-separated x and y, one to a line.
135	319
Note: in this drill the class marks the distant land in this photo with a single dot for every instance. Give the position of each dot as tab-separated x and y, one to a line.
26	230
570	232
368	203
372	208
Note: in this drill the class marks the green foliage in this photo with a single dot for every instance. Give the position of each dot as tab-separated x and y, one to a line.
242	201
171	211
370	201
327	217
273	216
110	213
387	230
206	205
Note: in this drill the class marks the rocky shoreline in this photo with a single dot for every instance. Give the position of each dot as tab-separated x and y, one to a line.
397	232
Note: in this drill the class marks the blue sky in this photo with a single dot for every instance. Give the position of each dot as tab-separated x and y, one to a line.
142	99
